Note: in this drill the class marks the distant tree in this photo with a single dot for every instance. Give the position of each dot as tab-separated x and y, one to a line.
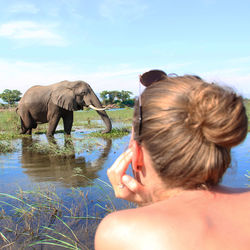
104	96
109	97
11	96
120	98
125	95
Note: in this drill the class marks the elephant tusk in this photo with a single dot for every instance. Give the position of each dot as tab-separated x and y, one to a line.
93	107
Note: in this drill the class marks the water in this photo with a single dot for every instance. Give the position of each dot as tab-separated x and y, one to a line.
236	174
26	170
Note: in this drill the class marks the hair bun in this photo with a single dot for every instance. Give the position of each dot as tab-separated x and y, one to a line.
218	113
152	76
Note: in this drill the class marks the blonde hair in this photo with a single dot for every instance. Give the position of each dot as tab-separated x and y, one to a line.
189	127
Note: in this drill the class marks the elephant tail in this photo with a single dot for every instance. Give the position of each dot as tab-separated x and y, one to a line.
18	110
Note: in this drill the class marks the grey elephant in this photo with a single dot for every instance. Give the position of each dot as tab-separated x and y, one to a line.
42	104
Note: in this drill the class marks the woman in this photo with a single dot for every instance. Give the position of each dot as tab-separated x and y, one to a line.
183	132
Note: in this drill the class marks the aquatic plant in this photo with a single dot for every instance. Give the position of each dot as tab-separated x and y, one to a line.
6	147
40	216
52	149
248	176
115	133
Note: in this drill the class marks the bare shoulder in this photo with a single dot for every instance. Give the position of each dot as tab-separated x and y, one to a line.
131	229
184	222
112	232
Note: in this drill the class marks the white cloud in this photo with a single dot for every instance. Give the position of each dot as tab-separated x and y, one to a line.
32	31
23	8
22	75
237	78
122	9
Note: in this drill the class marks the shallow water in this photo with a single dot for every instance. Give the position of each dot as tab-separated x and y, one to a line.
236	174
24	168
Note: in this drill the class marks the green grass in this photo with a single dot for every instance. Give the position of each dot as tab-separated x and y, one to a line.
52	149
247	105
115	133
9	120
122	115
40	216
10	128
6	146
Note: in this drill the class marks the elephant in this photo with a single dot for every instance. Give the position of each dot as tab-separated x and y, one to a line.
42	104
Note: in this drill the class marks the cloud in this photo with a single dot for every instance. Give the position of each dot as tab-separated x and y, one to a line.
122	9
237	78
22	75
23	8
32	31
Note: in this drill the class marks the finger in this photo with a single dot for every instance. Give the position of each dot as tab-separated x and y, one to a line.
122	162
133	191
132	184
117	170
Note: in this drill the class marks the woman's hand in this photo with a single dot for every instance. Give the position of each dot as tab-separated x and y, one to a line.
125	186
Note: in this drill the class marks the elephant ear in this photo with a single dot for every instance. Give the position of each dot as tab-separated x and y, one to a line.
64	98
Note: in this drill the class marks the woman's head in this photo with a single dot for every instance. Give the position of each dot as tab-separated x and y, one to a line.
188	127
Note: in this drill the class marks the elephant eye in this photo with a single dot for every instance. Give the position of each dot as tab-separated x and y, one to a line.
81	93
85	92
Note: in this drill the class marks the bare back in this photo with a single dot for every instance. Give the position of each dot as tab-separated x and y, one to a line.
190	220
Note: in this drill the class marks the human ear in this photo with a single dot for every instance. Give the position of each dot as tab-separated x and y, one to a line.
137	158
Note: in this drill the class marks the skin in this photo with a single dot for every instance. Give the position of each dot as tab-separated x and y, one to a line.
171	218
42	104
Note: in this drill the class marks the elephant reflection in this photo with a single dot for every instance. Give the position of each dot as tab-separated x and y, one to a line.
69	171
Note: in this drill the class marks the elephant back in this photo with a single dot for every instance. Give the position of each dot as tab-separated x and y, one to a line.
35	94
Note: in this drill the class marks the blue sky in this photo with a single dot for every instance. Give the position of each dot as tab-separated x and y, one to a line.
108	43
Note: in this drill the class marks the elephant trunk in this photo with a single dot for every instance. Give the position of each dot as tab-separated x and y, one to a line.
94	101
106	120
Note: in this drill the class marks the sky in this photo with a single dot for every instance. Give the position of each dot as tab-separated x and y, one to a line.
109	43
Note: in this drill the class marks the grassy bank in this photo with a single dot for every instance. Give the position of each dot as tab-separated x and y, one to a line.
10	123
87	119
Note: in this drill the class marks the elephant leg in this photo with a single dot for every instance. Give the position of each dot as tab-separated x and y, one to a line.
53	122
29	131
27	124
67	121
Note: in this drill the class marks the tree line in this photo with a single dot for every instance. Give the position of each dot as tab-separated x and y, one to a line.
117	98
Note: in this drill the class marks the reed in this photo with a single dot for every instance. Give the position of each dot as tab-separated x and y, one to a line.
31	218
6	147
